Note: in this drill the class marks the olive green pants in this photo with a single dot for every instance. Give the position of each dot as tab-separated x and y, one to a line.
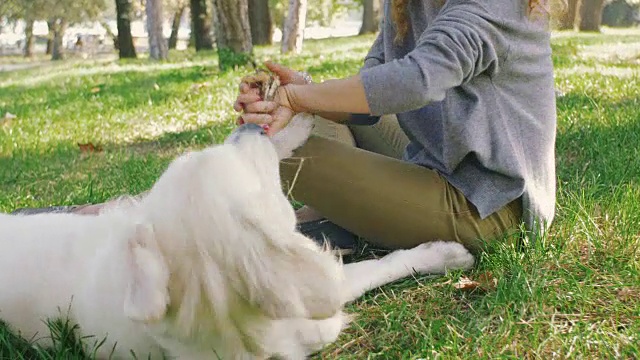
354	177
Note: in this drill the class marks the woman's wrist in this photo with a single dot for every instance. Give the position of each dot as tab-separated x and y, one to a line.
291	96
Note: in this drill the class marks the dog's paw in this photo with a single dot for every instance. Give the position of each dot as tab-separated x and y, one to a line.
293	135
438	257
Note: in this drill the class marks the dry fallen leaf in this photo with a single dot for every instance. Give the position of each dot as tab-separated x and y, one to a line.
627	294
89	148
95	90
466	284
485	281
9	116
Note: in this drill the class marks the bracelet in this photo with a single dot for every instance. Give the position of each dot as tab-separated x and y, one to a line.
305	75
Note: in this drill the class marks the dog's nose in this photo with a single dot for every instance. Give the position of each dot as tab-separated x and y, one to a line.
244	130
251	128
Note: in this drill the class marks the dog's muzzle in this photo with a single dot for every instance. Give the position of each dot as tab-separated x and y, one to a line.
246	129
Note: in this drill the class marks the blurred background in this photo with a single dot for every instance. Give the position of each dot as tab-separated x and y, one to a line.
55	29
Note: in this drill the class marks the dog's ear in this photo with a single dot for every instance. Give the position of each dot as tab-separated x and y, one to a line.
147	294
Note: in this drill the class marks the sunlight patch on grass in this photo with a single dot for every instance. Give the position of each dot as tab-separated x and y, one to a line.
618	72
110	68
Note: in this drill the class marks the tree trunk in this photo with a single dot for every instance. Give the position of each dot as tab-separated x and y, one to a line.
567	20
50	25
233	33
114	37
175	27
260	22
201	25
370	17
57	48
157	44
590	12
125	40
28	38
293	32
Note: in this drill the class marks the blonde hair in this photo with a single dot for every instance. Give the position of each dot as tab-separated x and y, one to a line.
401	20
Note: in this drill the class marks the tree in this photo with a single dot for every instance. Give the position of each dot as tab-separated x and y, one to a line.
28	34
621	13
567	19
27	10
260	22
61	13
8	9
110	34
233	33
158	49
126	49
49	37
370	16
201	25
57	48
590	15
293	29
175	24
322	12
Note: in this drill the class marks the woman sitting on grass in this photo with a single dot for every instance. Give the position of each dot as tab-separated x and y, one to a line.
468	157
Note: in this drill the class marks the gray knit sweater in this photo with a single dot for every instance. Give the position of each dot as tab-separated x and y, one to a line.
473	88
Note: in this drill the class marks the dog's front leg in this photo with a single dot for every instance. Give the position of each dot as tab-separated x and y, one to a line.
293	135
428	258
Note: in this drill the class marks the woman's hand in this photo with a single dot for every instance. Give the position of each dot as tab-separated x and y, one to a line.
287	76
277	113
284	112
274	114
250	95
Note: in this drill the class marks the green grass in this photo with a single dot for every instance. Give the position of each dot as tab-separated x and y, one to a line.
574	295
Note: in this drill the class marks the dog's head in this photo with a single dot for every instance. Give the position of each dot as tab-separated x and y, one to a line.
225	233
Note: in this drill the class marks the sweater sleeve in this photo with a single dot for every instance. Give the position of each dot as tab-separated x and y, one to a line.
461	43
375	56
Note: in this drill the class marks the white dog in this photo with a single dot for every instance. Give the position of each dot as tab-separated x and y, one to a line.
207	265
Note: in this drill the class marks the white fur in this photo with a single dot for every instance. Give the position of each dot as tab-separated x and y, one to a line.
207	264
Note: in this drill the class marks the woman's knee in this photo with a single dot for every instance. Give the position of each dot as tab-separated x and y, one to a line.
385	137
331	130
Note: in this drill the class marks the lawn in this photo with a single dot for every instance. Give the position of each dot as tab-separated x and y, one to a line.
574	295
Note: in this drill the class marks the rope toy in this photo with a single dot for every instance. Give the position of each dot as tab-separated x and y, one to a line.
267	83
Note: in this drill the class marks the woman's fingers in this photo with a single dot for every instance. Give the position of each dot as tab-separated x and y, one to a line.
260	119
238	106
262	107
244	87
286	75
247	98
281	118
250	96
